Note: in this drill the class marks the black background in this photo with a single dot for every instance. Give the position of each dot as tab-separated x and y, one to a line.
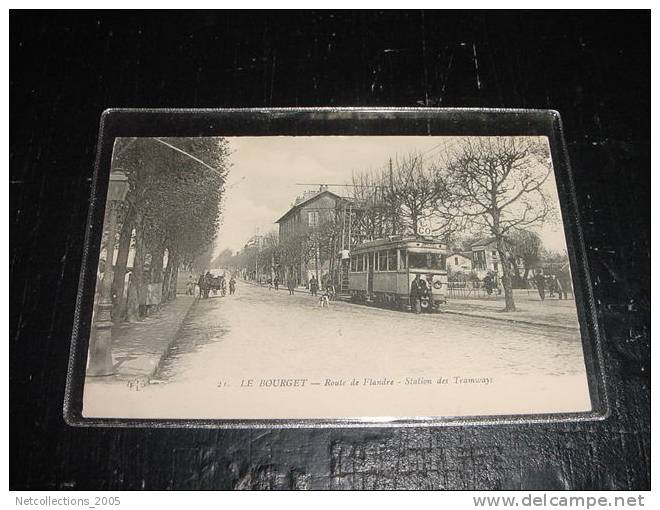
66	68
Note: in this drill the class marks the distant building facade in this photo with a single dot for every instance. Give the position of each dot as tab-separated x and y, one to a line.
485	258
256	241
459	261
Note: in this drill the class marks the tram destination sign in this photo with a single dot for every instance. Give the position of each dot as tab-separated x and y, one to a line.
325	267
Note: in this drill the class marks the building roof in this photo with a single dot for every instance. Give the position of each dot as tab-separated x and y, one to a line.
466	254
483	242
307	200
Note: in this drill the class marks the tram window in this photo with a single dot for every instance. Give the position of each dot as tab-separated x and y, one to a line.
391	260
360	263
402	259
382	261
426	261
353	263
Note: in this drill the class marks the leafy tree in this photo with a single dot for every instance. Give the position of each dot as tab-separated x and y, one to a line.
174	202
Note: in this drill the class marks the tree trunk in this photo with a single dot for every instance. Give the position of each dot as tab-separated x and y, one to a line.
135	289
166	277
157	264
507	277
118	284
174	274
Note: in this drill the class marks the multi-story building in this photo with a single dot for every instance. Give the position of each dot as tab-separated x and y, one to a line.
485	258
309	212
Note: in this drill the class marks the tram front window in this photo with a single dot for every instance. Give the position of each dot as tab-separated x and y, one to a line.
426	261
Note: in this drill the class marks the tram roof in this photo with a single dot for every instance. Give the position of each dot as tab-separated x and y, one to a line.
400	242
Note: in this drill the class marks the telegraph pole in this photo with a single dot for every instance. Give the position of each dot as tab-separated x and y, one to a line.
395	227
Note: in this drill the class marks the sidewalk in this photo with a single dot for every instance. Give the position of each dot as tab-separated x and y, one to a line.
530	310
139	347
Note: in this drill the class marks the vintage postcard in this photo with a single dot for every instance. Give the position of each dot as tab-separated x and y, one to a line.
333	277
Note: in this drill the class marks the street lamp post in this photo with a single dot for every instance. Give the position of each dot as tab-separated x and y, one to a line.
100	351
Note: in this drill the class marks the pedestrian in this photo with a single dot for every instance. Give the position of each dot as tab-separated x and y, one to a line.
190	286
558	288
232	286
488	284
201	283
276	282
550	283
416	294
331	291
290	285
429	291
540	285
208	280
314	285
565	281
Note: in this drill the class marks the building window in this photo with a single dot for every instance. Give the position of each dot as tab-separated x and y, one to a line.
495	267
455	261
313	218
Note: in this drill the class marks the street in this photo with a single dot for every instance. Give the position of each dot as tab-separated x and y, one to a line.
239	356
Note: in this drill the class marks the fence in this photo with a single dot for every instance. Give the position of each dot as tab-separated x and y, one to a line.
468	290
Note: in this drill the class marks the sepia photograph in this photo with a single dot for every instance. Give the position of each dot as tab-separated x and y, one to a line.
333	277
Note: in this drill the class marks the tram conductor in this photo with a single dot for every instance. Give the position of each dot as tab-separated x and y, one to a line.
417	288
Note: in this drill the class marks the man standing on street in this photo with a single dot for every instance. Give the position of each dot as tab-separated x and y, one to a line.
201	283
276	282
564	277
416	294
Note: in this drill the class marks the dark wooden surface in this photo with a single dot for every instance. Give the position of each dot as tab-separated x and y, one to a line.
66	69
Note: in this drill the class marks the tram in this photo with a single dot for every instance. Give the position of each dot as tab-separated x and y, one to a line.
381	271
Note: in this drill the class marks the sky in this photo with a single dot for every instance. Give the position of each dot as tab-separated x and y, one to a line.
265	173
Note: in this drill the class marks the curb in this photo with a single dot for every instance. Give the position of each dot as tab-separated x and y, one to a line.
156	359
516	321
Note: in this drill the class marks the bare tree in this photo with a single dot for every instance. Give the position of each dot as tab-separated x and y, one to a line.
527	246
367	195
497	183
415	190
